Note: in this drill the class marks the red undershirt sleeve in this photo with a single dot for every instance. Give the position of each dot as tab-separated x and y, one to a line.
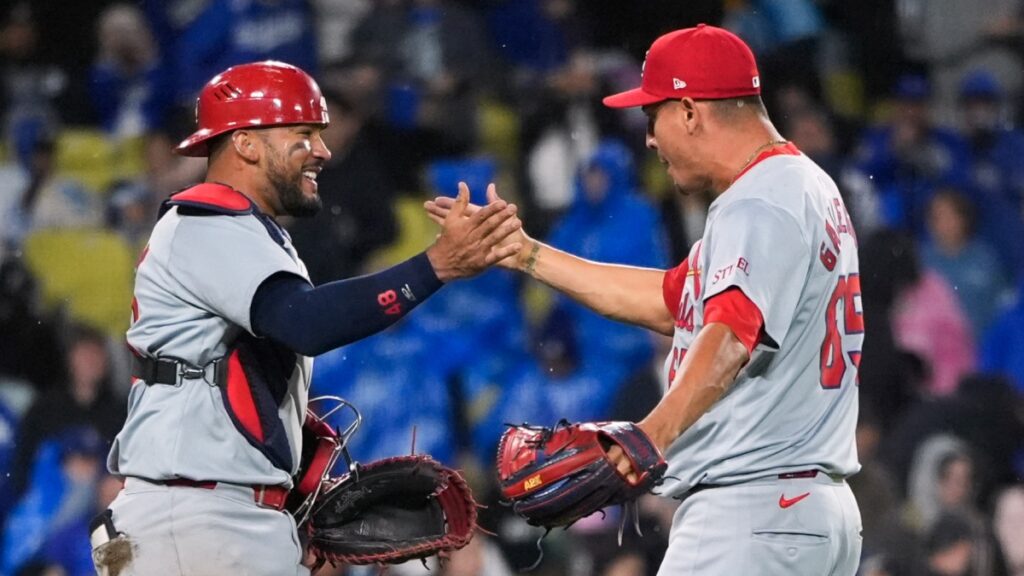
672	286
739	313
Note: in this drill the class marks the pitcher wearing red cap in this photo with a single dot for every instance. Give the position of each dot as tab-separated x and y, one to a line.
760	387
225	322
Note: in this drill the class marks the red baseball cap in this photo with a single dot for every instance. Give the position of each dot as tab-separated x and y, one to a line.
705	62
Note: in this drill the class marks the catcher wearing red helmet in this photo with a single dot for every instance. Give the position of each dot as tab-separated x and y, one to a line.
225	323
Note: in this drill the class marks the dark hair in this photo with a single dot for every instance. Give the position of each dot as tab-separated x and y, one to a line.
215	144
950	528
947	462
86	333
732	108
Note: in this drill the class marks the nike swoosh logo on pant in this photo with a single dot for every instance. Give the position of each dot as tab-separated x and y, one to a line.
786	503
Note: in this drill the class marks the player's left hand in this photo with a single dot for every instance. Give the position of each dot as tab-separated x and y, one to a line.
618	459
554	476
439	209
472	237
623	464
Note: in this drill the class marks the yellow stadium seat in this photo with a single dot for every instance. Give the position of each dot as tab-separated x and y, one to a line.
88	156
131	158
87	271
97	161
844	92
416	231
498	127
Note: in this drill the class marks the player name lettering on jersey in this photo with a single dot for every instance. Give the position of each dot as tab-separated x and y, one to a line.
837	222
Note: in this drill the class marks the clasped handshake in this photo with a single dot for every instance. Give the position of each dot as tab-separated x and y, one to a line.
473	237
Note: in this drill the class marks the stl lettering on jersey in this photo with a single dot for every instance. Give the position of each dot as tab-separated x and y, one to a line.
742	265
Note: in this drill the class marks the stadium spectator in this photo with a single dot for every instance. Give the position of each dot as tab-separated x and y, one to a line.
788	35
1002	348
943	509
37	196
816	134
997	175
968	263
85	399
30	356
610	220
32	89
396	382
131	212
433	58
200	39
130	88
949	547
1009	525
871	30
908	156
927	319
950	38
358	193
940	480
535	37
563	123
983	413
336	20
50	524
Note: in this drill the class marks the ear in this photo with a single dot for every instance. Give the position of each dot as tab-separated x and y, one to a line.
246	145
692	115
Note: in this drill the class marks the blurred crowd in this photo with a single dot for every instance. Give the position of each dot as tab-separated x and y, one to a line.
911	106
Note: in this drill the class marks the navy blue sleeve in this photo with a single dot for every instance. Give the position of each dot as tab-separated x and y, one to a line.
312	320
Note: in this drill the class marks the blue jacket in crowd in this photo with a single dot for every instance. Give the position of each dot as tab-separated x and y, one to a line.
1002	350
200	40
619	226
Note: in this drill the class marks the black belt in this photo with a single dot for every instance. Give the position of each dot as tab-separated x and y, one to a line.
163	371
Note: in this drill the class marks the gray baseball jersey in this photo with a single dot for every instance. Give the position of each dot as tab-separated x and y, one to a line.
193	290
782	235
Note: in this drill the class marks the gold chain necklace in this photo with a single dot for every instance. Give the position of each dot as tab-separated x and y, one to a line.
759	149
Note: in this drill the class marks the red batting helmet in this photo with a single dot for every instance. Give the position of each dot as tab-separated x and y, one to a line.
256	94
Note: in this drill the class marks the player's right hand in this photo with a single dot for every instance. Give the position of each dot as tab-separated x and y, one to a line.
473	237
439	209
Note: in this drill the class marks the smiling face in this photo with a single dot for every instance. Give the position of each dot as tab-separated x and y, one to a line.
669	135
294	157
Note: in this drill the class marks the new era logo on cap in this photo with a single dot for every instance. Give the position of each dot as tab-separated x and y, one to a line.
715	63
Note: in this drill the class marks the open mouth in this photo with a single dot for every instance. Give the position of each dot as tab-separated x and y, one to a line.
310	175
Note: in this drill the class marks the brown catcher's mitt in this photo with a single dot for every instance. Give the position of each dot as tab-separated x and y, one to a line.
392	510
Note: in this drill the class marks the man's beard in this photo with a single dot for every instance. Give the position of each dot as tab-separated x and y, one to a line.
289	192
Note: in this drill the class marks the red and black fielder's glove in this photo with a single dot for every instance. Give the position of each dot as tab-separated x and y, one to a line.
555	476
